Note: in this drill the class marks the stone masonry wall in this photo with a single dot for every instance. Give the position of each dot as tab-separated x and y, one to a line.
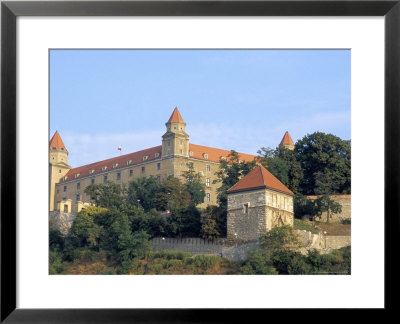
242	226
344	201
62	221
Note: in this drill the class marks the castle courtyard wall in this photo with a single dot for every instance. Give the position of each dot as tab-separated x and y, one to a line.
344	201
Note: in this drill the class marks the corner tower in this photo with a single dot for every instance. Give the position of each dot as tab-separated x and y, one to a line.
58	164
175	141
287	142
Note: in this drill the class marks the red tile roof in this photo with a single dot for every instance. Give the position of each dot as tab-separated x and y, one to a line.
199	152
113	163
175	117
287	139
215	154
56	141
259	178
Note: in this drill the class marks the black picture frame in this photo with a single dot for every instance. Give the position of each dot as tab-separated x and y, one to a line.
10	10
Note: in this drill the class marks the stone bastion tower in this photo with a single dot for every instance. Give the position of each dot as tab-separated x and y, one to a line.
256	204
58	164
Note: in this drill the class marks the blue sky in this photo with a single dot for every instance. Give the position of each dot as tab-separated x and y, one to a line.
230	99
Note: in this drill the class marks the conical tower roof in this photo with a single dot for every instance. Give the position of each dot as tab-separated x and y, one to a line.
287	139
175	117
57	142
259	178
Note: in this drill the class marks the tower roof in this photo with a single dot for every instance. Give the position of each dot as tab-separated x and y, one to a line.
56	141
175	117
259	178
287	139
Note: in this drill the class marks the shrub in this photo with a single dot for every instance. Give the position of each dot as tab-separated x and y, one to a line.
290	262
205	262
55	262
258	263
279	238
346	221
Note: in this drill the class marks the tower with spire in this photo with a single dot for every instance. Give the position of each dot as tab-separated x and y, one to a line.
175	142
287	141
58	164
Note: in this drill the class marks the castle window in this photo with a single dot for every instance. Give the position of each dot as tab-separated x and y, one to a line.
246	208
104	168
115	165
145	157
205	156
158	166
143	169
180	151
58	191
65	208
208	197
78	185
91	171
65	178
54	148
105	179
128	162
157	155
208	168
190	165
77	175
130	173
59	171
169	152
65	188
159	178
78	197
118	176
92	180
62	149
190	153
208	182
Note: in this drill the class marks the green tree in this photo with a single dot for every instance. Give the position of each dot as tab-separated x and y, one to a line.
213	223
144	191
326	163
303	206
328	205
84	232
106	195
171	195
194	185
280	238
282	163
230	172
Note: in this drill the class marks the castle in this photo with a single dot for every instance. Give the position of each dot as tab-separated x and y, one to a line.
171	158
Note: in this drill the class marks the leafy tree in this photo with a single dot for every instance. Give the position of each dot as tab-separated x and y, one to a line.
328	205
194	185
280	238
144	190
84	232
171	195
282	163
106	195
56	239
303	206
229	173
326	163
213	222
